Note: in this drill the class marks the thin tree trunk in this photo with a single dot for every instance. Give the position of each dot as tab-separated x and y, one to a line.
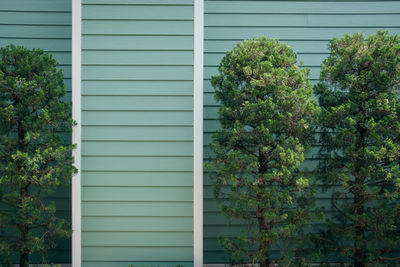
360	256
24	259
263	226
360	251
264	246
23	232
24	193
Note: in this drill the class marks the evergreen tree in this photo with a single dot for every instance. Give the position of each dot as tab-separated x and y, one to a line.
34	158
360	123
266	122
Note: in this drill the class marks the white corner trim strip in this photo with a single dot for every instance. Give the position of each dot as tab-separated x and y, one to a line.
76	132
198	133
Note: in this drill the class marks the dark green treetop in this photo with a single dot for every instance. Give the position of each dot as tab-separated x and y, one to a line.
34	158
266	120
360	155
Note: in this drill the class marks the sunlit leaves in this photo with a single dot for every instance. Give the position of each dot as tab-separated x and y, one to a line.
34	159
266	121
360	122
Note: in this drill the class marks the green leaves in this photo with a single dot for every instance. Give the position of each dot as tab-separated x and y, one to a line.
34	158
266	118
359	96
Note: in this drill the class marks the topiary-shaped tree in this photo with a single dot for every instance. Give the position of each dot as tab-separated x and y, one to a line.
266	121
34	158
360	154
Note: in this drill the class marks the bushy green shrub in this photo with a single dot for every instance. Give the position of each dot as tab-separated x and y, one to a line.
34	158
266	121
360	155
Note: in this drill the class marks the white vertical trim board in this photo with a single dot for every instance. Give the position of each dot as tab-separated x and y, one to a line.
198	133
76	132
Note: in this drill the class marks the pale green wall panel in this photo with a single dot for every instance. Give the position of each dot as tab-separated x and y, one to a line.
289	33
134	102
137	118
137	12
40	5
302	20
114	254
122	133
140	2
302	7
143	263
44	24
138	224
138	239
137	132
307	26
36	18
124	209
136	163
123	72
137	193
35	31
148	178
140	43
156	88
115	27
137	148
131	58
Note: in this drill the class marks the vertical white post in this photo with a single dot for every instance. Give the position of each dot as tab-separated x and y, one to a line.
76	132
198	132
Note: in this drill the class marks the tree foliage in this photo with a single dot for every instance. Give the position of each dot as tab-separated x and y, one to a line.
360	155
266	122
34	158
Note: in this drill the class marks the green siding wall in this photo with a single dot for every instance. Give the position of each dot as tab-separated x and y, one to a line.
44	24
306	26
137	132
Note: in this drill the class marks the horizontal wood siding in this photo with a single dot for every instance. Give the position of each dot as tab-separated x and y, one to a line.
137	133
306	26
44	24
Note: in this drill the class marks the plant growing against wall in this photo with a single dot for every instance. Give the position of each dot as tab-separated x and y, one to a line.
34	158
266	122
360	154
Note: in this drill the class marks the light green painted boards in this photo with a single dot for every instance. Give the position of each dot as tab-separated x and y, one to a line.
137	133
306	26
137	107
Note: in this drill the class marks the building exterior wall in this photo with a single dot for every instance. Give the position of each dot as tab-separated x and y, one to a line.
44	24
137	132
306	26
137	107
